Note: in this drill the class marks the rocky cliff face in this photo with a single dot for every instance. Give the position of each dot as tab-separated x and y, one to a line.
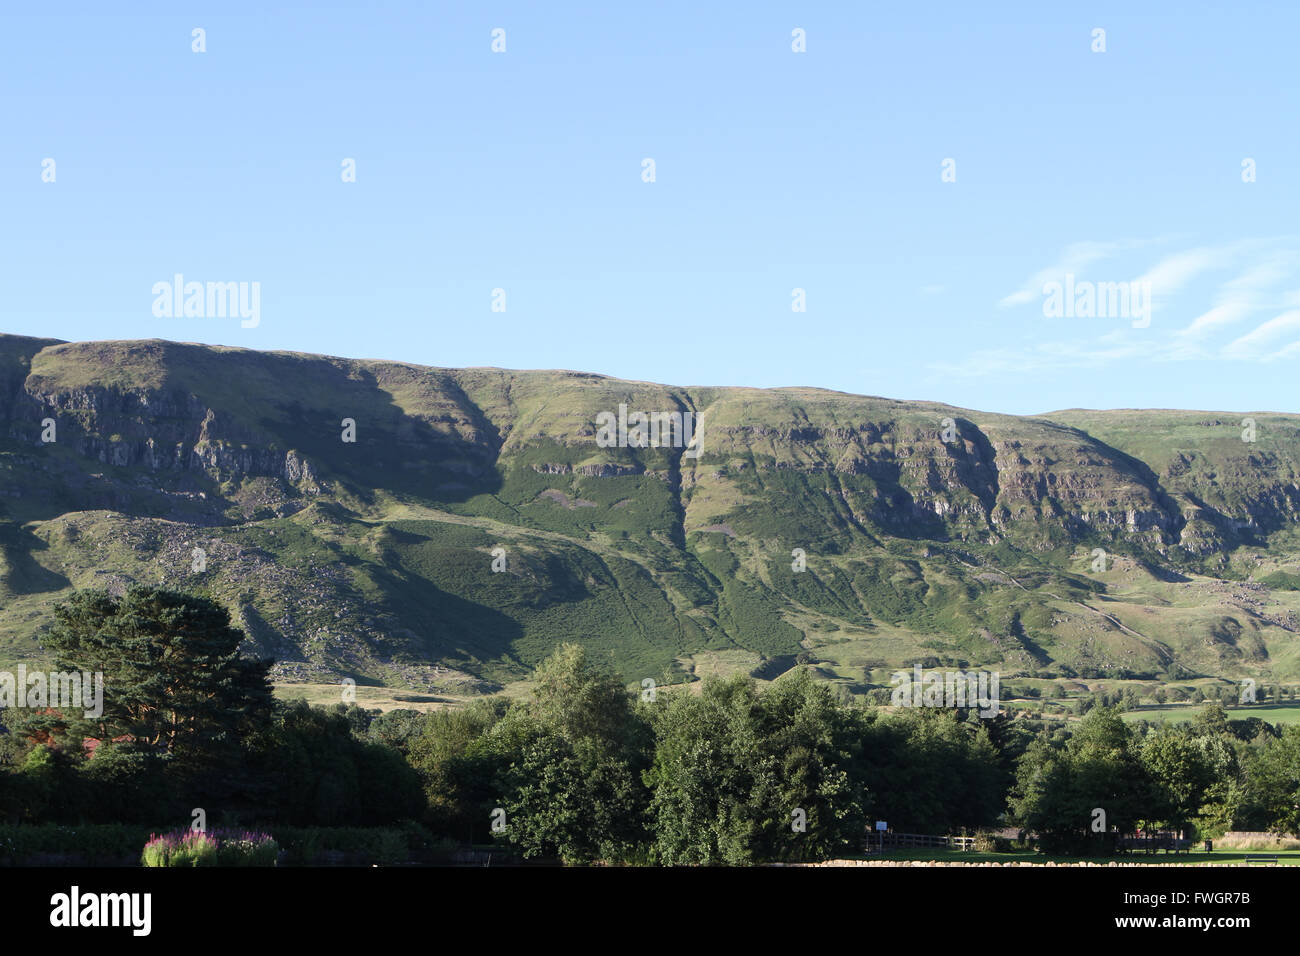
997	477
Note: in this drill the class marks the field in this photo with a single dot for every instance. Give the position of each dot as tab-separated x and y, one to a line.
1273	714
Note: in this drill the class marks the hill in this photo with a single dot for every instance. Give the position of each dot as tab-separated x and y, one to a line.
1126	543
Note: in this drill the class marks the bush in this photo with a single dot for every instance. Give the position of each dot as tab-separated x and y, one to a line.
390	847
186	848
357	846
246	849
90	845
215	848
986	842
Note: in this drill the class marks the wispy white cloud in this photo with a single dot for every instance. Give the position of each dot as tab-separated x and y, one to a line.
1226	312
1260	271
1042	357
1170	274
1248	293
1073	261
1259	343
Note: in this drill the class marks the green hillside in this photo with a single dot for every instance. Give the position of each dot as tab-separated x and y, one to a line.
374	558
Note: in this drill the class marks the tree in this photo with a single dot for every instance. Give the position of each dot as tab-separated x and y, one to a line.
572	761
1274	781
1212	720
458	767
1042	800
174	680
571	799
44	788
398	729
309	768
127	785
740	776
579	701
1183	769
931	772
1058	788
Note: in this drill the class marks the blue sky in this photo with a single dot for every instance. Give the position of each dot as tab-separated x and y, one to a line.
774	170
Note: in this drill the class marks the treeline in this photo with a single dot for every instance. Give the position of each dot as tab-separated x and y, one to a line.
583	769
586	771
1203	777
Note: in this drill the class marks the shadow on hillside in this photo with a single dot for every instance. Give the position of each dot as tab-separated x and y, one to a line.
445	627
22	573
392	450
1142	472
1163	574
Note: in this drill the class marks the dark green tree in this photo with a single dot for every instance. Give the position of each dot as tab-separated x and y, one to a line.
174	680
459	767
1059	788
571	761
741	777
1273	781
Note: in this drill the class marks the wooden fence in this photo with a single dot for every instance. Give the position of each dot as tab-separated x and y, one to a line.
900	841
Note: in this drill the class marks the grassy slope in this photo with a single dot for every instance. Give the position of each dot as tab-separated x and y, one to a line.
379	564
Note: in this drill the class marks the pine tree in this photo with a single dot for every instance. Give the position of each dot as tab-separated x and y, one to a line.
174	681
